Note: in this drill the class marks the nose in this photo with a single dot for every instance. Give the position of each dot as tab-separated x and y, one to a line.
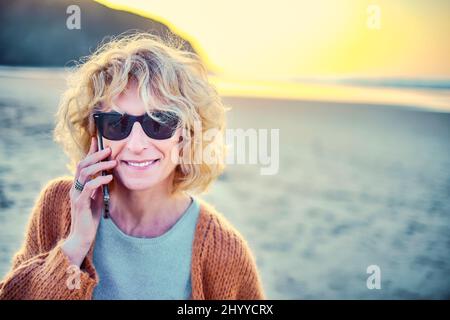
138	139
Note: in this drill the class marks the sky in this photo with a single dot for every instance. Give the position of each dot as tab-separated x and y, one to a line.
273	49
289	39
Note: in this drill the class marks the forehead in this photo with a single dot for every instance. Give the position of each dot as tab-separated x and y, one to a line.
129	102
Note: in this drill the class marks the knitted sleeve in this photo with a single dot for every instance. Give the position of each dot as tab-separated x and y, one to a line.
41	270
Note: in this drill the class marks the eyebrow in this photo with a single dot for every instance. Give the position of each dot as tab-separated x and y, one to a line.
113	109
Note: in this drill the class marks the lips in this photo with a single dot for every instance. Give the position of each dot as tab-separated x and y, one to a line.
141	164
139	161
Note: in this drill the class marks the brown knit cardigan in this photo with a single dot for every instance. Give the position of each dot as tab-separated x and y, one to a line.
222	265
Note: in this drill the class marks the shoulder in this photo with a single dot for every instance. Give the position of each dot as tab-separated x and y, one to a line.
55	195
222	241
229	266
217	230
57	188
51	212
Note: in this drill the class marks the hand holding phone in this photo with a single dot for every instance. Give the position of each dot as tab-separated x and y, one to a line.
86	204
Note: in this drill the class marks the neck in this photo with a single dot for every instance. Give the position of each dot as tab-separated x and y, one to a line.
146	213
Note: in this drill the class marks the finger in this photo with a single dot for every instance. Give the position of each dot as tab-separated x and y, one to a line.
93	146
92	149
93	158
92	170
85	196
94	193
97	156
97	201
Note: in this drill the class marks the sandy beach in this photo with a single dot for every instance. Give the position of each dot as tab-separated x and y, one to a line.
357	185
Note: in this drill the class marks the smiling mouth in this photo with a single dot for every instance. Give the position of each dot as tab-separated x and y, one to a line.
140	164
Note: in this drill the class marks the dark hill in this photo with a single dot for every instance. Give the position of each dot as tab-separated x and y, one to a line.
34	32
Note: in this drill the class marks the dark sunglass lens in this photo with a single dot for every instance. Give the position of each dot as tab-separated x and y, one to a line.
160	130
115	126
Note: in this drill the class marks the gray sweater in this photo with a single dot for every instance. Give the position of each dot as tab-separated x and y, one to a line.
145	268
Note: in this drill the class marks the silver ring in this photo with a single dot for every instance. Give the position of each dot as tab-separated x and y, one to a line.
79	186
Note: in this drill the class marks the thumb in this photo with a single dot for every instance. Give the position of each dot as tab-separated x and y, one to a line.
93	194
97	198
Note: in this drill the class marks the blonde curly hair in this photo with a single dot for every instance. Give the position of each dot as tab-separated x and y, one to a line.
168	77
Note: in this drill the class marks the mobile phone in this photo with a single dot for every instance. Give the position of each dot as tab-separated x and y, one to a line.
104	173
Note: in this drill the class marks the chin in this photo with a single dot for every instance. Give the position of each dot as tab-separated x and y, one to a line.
140	183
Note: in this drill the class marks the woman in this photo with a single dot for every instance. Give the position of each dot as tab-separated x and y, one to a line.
147	101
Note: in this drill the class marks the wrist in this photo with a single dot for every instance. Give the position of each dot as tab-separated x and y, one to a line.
75	249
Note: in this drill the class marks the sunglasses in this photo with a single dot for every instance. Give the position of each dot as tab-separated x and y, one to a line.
117	126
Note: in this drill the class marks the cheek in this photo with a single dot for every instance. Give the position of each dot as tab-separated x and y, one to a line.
169	148
116	147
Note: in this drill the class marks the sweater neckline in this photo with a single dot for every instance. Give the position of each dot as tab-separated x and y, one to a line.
112	226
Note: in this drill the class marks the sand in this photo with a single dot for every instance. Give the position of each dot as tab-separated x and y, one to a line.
357	185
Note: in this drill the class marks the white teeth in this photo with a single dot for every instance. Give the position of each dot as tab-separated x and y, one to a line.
140	164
